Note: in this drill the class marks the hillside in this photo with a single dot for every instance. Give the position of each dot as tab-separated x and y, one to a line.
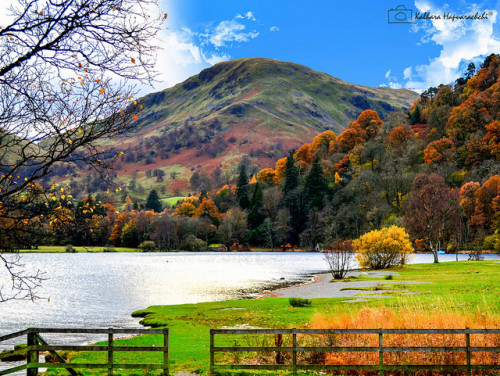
257	107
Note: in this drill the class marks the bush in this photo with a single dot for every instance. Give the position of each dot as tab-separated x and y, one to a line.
380	249
194	244
109	248
147	246
70	249
299	302
490	241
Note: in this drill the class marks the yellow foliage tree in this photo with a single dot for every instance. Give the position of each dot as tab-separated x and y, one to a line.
266	175
186	208
380	249
280	170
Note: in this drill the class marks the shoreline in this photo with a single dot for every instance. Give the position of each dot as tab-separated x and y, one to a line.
322	287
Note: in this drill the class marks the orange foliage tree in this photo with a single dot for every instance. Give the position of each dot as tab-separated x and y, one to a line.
208	208
487	204
280	170
321	144
440	150
304	154
492	138
400	135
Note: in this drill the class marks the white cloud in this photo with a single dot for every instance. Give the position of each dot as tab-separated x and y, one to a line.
392	81
229	31
186	52
274	28
214	58
248	15
460	41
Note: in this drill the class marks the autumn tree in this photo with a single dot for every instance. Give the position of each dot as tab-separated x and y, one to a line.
492	138
431	211
380	249
439	151
65	74
266	175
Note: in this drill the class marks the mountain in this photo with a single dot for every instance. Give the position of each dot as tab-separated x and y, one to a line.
256	106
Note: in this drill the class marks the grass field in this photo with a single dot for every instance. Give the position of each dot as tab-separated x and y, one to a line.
62	249
172	201
463	289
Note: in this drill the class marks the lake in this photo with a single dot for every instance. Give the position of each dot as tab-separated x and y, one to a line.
100	290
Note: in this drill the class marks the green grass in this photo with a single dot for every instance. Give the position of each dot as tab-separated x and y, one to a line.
463	287
172	201
62	249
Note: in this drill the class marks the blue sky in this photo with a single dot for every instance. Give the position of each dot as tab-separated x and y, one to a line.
351	40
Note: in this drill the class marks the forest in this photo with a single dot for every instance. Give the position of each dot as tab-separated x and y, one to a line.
433	170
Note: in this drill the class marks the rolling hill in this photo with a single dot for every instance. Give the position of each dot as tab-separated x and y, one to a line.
256	106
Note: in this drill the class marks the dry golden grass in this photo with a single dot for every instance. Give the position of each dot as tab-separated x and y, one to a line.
414	318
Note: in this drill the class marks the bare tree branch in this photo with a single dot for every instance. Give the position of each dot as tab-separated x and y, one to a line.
67	69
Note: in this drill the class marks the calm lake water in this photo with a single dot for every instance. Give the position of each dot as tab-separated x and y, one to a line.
100	290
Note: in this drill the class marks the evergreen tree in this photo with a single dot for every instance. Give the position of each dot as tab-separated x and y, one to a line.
255	217
291	174
415	116
315	185
242	188
470	72
153	202
293	199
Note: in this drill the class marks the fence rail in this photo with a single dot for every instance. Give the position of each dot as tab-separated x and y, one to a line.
381	349
35	344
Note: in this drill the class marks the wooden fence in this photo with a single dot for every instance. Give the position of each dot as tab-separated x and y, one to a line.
380	349
35	344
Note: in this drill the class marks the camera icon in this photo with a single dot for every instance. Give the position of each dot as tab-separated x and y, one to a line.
400	15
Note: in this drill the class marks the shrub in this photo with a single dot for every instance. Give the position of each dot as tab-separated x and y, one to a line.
339	257
299	302
388	277
380	249
109	248
147	246
490	241
194	244
70	249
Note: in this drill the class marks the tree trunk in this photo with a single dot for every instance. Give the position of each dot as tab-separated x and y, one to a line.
436	260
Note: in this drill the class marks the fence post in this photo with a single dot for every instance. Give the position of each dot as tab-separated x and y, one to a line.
294	334
212	357
467	344
380	352
165	351
32	354
110	352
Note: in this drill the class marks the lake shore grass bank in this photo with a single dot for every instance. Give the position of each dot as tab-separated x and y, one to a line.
455	293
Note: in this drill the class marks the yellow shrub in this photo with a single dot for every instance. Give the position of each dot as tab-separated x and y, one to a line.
379	249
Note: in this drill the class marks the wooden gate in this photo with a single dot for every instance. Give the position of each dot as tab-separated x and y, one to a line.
36	344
